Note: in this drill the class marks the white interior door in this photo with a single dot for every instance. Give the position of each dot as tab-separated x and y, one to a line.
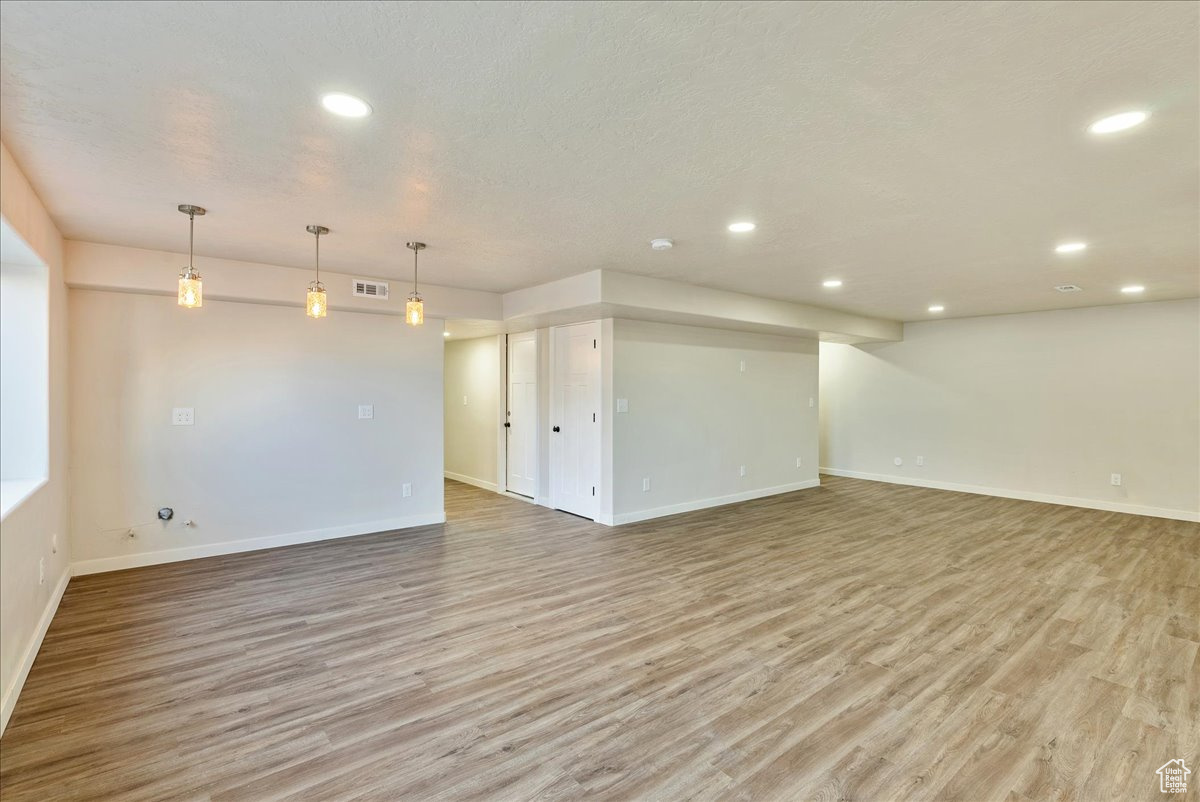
575	423
521	423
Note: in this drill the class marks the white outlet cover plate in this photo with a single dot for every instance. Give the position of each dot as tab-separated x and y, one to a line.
183	416
366	411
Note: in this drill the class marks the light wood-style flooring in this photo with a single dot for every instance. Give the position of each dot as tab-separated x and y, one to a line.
857	641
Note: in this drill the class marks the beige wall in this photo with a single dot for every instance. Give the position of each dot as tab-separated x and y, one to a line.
277	453
695	417
1045	405
472	409
26	605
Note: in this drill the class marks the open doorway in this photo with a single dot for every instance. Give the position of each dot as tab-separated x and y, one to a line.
523	415
473	384
493	413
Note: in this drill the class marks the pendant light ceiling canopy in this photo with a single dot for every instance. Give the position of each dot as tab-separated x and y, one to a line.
317	303
414	310
191	287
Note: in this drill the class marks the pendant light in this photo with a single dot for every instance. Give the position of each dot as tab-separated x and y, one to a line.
414	311
317	305
191	288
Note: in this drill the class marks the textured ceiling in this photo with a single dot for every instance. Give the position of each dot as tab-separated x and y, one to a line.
920	152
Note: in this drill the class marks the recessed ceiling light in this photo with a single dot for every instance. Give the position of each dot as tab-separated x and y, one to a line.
1070	247
1118	122
1133	289
833	282
937	308
662	244
345	105
741	228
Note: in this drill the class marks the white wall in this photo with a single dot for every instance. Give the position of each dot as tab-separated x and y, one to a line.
1045	405
472	409
27	533
277	453
694	417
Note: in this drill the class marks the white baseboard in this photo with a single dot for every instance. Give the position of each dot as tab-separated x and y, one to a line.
1022	495
704	503
138	560
31	650
470	480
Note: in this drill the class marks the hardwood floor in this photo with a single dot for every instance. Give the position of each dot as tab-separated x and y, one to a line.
856	641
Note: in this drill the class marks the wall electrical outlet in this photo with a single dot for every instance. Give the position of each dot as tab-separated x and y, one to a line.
406	490
464	400
743	366
920	461
54	544
646	485
367	411
799	462
812	402
622	405
741	470
183	416
897	462
42	571
1115	479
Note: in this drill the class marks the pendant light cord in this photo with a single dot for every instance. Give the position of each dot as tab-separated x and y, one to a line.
191	238
318	236
415	252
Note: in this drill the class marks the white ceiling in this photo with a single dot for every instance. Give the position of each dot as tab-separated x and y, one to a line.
920	152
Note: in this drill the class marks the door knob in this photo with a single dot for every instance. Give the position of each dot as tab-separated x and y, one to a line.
557	429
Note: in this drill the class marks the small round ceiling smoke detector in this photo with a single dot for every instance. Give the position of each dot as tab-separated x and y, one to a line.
662	244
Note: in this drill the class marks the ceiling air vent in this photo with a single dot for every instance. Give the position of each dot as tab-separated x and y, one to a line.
370	289
1068	288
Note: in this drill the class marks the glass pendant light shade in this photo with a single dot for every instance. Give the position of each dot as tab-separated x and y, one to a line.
414	310
317	304
191	288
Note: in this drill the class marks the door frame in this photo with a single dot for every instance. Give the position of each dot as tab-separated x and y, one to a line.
502	486
601	415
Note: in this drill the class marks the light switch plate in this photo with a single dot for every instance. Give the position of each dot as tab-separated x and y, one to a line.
366	411
406	490
183	416
622	405
646	485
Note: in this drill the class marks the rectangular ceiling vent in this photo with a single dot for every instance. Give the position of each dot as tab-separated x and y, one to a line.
370	289
1068	288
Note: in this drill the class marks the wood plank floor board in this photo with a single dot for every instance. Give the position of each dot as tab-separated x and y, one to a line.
857	641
